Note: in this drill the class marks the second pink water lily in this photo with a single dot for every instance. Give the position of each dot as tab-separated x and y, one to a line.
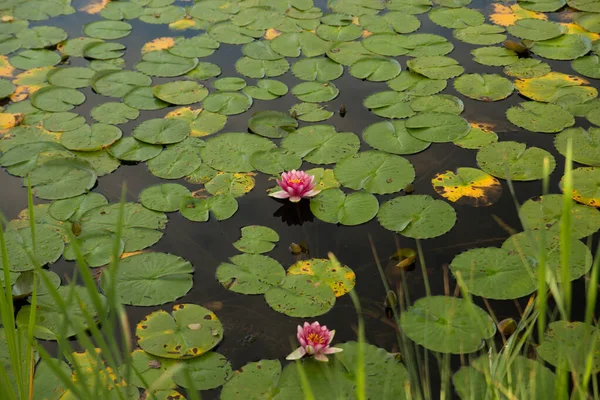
295	185
314	341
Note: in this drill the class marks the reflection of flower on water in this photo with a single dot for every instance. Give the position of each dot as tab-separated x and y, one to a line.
314	340
295	213
295	185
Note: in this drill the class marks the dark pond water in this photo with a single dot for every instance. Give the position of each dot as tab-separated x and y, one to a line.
253	330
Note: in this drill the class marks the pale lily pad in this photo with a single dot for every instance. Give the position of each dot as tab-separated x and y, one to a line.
514	160
166	197
556	87
250	274
236	185
321	144
540	117
437	127
565	47
190	331
256	239
393	137
436	67
272	124
484	87
545	212
149	279
586	144
334	206
180	92
447	324
131	149
301	296
338	277
375	171
478	137
232	152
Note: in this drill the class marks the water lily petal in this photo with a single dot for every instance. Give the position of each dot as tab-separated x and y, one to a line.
331	335
293	199
280	194
296	354
321	357
332	350
312	193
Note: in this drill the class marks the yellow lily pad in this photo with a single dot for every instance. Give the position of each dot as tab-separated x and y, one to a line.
469	186
507	15
340	278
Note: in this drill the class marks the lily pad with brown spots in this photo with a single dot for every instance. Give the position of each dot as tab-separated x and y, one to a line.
339	277
469	186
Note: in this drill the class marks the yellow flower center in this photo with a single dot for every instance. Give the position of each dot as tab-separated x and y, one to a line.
295	181
316	338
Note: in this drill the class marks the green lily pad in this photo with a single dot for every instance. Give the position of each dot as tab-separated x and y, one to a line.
226	32
101	160
40	37
393	137
72	209
254	380
536	29
526	68
417	216
301	296
46	381
96	248
320	69
24	158
164	64
162	131
28	59
176	161
201	175
315	92
109	52
447	324
346	53
150	279
557	88
253	68
56	99
180	92
565	47
568	345
437	127
486	87
131	149
375	69
142	98
390	104
385	44
166	197
375	171
512	159
196	46
334	206
436	67
275	161
586	144
545	212
114	113
527	246
494	273
250	274
190	331
227	103
260	50
542	5
162	14
345	33
484	34
223	206
151	368
477	138
204	71
456	18
71	77
230	84
86	138
416	84
588	66
291	44
310	112
141	227
272	124
321	144
62	178
19	245
117	11
338	277
208	371
236	185
539	117
494	56
50	321
584	5
232	151
390	22
256	239
585	186
440	103
119	83
107	29
9	43
266	89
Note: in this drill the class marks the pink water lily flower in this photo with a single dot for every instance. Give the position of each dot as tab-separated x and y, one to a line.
314	340
295	185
